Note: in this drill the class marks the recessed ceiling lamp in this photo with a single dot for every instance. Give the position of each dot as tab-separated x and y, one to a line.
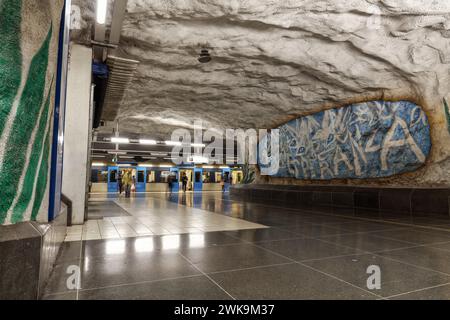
205	57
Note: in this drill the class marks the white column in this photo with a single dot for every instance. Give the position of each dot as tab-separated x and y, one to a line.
76	133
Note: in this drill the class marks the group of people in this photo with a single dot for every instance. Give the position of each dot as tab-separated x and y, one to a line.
172	179
127	182
185	180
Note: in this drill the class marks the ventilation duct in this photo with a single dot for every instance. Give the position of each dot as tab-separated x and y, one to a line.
121	72
100	74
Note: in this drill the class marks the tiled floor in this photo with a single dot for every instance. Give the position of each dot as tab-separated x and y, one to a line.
304	254
152	216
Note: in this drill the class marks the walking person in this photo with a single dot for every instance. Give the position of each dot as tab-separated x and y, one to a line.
222	183
170	183
127	181
120	184
184	181
133	184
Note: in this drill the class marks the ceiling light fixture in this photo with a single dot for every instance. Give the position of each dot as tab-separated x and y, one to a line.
173	143
102	6
205	57
147	142
198	159
159	154
146	165
98	164
198	145
120	140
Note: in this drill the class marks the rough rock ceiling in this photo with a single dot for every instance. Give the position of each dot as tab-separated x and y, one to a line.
273	60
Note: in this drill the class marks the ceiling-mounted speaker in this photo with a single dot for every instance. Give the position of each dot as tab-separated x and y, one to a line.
205	57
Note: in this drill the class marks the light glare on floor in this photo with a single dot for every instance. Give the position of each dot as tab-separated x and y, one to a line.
115	247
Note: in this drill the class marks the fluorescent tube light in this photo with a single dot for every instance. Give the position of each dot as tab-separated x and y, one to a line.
120	140
147	142
102	6
173	143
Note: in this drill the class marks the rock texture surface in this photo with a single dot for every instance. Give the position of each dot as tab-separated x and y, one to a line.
276	60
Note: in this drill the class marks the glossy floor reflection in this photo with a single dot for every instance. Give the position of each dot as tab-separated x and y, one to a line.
146	216
304	254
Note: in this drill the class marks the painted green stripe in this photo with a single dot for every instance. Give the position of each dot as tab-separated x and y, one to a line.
23	125
28	184
10	56
41	184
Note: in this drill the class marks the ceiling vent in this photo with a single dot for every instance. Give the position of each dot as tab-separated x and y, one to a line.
121	72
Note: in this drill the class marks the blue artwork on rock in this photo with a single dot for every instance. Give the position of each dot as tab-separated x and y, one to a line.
366	140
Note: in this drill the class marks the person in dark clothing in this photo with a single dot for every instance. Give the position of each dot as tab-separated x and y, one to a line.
120	184
170	183
184	181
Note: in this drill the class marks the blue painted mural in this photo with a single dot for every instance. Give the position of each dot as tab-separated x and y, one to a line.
365	140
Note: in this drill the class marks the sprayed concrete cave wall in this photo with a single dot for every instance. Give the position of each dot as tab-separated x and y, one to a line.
274	61
29	32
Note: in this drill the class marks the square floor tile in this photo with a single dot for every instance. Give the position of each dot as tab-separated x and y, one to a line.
396	277
416	236
427	257
122	269
314	230
306	249
287	282
192	288
62	296
365	226
441	292
365	241
266	234
220	258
